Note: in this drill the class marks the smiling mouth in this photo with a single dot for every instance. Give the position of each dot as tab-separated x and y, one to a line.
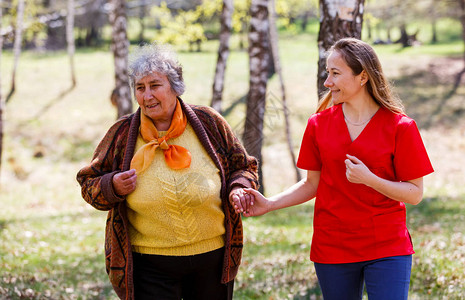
152	105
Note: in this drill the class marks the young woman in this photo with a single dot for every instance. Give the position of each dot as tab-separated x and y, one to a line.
364	159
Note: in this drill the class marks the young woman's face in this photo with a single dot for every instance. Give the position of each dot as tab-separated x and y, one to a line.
156	98
344	85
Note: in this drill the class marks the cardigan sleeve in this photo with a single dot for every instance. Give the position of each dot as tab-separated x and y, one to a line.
243	168
96	179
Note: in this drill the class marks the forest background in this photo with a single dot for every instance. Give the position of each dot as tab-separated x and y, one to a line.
51	241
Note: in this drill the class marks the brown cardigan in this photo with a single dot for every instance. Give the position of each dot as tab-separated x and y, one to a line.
114	154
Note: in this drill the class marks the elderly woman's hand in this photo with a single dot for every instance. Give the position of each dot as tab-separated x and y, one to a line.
241	200
124	183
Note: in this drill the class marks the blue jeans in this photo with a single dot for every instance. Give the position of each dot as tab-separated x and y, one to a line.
385	278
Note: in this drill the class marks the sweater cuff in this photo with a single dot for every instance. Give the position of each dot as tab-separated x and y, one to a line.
107	188
241	182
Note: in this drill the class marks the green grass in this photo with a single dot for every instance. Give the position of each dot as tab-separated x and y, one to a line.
437	225
51	241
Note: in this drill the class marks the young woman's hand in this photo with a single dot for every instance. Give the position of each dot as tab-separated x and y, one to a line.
357	171
410	191
259	205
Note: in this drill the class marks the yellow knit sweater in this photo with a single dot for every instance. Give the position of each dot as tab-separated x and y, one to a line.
177	212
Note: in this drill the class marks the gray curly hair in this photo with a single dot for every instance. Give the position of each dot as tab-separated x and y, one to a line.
161	58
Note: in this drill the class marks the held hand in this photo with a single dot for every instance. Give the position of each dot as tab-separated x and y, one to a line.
240	200
357	171
124	183
260	206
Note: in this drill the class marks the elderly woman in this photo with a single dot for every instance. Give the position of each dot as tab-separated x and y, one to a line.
168	174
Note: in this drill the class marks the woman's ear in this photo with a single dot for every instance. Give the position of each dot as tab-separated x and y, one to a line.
363	78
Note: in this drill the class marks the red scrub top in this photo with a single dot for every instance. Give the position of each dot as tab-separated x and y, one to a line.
353	222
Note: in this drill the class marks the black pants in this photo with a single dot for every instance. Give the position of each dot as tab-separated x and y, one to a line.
196	277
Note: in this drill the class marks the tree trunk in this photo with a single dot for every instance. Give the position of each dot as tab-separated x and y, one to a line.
17	46
70	40
258	64
458	77
1	99
404	38
369	30
305	18
462	21
95	20
434	37
56	37
338	19
120	46
223	53
142	13
277	67
242	35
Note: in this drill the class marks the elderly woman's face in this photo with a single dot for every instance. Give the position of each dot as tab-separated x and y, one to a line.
156	99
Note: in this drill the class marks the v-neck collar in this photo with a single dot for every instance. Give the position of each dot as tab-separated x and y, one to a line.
366	128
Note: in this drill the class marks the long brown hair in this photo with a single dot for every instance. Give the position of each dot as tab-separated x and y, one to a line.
360	56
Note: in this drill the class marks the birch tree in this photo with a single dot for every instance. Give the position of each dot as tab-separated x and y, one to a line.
258	64
277	65
338	19
70	40
223	53
120	47
17	46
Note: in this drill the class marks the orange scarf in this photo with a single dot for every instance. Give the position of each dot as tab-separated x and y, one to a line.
176	157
